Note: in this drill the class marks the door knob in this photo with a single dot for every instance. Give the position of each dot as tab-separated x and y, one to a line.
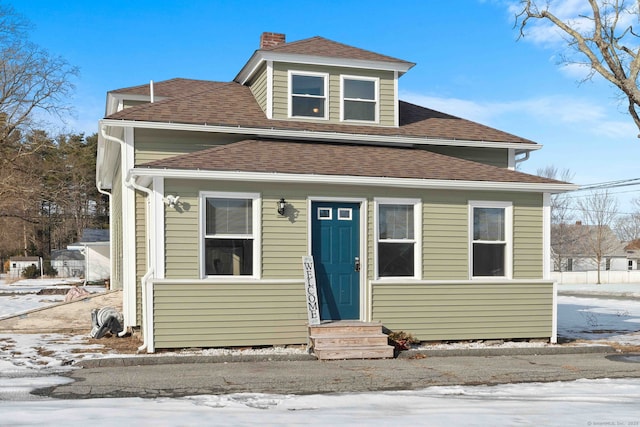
356	266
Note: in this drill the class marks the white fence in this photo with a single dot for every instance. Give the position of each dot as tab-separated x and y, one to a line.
578	277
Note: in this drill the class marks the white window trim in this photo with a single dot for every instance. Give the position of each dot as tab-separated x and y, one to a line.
508	235
325	77
376	99
417	233
325	218
255	224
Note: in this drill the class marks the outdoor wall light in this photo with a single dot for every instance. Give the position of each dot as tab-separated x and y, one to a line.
171	200
281	206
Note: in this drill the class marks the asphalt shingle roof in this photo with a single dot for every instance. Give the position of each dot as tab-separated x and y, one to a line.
276	156
320	46
232	104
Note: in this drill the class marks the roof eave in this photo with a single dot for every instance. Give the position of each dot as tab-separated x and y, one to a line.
321	136
144	175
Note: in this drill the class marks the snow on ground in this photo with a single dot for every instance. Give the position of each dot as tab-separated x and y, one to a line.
595	313
576	403
22	296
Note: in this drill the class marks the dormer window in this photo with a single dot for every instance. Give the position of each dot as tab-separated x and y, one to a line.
359	99
308	94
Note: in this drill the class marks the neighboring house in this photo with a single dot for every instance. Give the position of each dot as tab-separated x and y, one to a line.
632	249
68	263
95	248
579	245
18	263
415	218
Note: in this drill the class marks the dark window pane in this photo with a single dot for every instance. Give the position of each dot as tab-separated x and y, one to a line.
395	221
229	216
307	85
232	257
488	259
359	89
488	224
358	110
307	107
395	259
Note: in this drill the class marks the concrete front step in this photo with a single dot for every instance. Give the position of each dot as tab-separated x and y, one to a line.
350	340
341	340
345	327
340	353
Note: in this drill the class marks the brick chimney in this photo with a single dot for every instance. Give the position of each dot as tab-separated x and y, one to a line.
269	40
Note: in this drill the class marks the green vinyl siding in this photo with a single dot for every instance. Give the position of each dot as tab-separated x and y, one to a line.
445	228
466	311
157	144
528	249
215	312
259	88
498	157
284	238
141	249
445	237
228	315
387	104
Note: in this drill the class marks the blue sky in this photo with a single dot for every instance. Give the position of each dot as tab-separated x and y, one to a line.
468	63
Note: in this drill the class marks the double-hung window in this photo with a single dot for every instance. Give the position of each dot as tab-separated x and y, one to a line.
308	94
491	238
230	229
398	243
359	99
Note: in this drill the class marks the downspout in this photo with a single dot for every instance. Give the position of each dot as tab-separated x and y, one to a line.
146	327
130	183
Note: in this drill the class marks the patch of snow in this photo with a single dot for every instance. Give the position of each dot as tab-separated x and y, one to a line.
580	403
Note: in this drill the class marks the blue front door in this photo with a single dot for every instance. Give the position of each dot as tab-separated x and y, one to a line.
335	246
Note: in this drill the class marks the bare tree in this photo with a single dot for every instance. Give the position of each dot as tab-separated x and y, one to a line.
604	39
31	81
563	232
33	84
627	226
31	78
599	211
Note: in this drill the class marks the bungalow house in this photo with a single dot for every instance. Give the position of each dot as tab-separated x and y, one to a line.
415	219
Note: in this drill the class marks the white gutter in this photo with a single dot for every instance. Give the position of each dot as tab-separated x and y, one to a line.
524	158
130	183
318	136
147	303
436	184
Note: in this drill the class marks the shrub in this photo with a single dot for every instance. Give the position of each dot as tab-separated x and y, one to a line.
31	272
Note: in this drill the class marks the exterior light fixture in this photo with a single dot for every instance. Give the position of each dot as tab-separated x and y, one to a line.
281	206
171	201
